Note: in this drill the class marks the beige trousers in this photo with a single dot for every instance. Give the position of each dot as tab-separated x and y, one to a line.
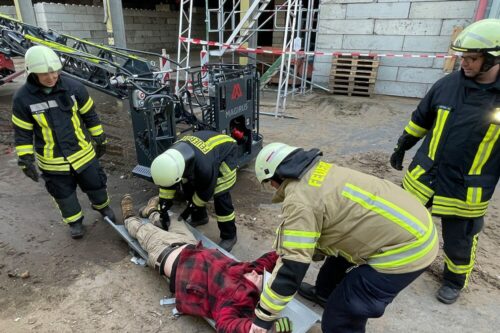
153	239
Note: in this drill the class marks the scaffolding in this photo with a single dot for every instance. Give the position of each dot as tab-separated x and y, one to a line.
230	24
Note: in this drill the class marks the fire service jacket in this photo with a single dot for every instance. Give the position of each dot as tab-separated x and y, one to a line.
339	211
457	166
57	126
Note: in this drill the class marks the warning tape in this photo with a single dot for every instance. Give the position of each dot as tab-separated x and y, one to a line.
300	53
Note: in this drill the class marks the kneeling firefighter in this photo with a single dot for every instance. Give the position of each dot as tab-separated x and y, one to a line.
205	163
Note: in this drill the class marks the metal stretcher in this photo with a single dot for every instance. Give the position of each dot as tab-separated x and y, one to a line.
303	318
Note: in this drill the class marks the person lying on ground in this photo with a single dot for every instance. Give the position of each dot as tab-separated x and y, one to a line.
205	281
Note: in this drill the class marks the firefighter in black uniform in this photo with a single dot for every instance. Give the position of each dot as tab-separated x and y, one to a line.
205	163
457	168
54	120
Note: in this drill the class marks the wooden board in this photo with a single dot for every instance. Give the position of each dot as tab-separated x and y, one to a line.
449	63
353	75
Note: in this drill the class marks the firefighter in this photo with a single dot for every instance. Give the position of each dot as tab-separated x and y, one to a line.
54	124
206	164
380	237
455	170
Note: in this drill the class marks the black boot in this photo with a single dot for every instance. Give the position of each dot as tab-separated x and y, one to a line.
227	244
308	291
447	294
199	217
108	212
76	229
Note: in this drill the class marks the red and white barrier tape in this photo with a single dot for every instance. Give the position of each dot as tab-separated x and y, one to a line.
336	53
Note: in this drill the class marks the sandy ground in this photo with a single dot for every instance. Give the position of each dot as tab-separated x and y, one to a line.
51	283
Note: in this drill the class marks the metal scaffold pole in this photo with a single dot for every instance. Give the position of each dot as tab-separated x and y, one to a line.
185	19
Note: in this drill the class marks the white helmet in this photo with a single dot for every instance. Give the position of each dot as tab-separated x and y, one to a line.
41	59
269	158
167	168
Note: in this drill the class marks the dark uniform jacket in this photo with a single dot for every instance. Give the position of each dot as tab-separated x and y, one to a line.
61	123
210	284
213	169
457	166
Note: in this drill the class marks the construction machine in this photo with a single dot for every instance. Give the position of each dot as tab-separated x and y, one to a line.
219	97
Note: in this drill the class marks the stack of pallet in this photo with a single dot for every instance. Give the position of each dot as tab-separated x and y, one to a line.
353	75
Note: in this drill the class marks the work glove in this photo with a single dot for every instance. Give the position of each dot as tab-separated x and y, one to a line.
100	144
187	212
27	164
283	325
397	159
164	217
405	142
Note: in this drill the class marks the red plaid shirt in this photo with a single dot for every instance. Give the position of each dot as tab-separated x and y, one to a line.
210	284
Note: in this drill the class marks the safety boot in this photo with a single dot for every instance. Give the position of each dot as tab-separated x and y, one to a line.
127	205
308	291
152	206
107	212
76	229
447	294
227	244
199	217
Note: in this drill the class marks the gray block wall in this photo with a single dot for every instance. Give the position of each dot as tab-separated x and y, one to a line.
391	26
147	30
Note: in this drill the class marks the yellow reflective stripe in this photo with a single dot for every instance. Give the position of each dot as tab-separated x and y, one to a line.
84	160
463	269
386	209
24	150
82	142
415	130
459	203
484	151
474	194
299	239
53	160
86	107
210	144
166	193
409	188
417	172
22	124
227	184
79	154
197	201
73	218
444	210
272	300
96	130
408	253
437	131
48	149
218	140
226	218
103	205
52	167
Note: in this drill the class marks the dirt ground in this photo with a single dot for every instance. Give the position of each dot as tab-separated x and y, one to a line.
51	283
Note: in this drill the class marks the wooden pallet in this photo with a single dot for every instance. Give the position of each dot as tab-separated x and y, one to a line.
353	75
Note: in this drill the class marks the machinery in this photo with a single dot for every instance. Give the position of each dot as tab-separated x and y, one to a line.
219	97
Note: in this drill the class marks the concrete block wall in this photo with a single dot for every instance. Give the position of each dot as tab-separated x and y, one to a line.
147	30
391	26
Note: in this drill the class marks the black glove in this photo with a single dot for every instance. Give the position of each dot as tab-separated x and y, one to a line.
397	159
187	212
283	325
164	217
27	164
405	142
100	144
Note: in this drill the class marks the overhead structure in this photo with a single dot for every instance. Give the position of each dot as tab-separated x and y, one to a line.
296	20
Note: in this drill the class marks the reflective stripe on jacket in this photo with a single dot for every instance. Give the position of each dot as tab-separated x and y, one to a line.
456	168
339	211
57	126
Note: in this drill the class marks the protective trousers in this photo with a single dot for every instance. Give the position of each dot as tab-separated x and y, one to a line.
225	215
62	187
154	240
460	237
357	293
